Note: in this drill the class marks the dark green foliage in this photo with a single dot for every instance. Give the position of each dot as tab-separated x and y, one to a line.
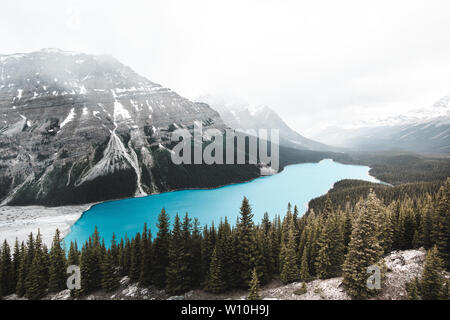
161	250
177	269
6	271
216	283
441	232
432	282
254	287
364	248
58	266
145	277
244	249
110	278
136	258
36	278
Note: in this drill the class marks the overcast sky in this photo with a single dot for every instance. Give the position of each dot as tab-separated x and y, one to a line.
317	63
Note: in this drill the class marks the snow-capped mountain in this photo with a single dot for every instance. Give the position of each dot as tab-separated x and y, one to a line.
241	116
422	130
79	128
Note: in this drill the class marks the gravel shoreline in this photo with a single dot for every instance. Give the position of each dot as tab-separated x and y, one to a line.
18	222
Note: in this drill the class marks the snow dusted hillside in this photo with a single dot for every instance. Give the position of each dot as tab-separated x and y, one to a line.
78	128
422	130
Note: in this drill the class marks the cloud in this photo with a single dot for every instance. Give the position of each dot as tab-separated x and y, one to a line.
316	62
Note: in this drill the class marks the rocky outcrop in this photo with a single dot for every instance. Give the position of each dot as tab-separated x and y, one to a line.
78	128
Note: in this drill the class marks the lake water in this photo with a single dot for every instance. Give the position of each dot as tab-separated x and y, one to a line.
297	184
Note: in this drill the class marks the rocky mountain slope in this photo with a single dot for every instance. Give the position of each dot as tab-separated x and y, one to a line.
78	128
422	130
239	115
402	267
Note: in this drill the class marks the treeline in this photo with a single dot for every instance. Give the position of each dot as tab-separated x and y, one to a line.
350	191
403	167
331	242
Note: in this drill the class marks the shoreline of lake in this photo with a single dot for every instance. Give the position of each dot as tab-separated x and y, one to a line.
44	218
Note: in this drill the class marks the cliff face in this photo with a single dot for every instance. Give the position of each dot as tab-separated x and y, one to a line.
78	128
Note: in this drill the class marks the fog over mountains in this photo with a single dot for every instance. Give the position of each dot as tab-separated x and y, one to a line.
422	130
240	115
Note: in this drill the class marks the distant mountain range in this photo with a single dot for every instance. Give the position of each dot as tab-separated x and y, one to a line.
240	115
422	130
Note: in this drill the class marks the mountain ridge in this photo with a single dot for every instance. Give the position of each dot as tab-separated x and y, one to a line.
78	128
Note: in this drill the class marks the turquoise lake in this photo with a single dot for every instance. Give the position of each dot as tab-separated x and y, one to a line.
297	184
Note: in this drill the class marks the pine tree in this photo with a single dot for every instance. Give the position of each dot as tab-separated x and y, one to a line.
331	247
254	287
145	278
110	278
6	271
91	264
136	261
244	249
413	290
364	248
432	280
196	251
36	283
161	250
441	232
426	222
304	267
25	265
74	256
187	257
176	270
215	284
57	274
289	267
17	258
114	248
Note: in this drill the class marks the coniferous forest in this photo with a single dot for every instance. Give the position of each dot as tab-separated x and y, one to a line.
341	234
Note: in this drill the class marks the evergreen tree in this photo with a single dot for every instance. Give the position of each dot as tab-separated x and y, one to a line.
6	271
254	287
36	284
187	252
91	264
432	281
176	270
289	267
25	265
196	251
413	290
442	224
331	247
244	249
364	248
114	248
304	267
136	261
57	274
147	257
73	258
17	258
110	278
161	250
216	283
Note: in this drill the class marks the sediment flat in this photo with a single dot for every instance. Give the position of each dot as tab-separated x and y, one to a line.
18	222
